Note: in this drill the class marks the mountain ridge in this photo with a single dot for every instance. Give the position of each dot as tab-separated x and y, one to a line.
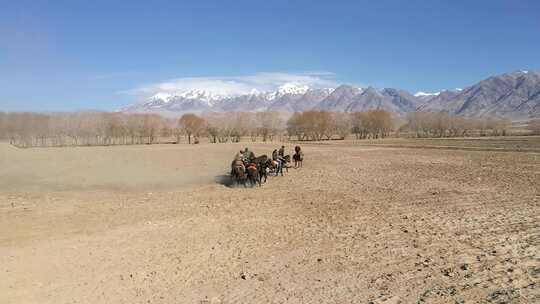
513	95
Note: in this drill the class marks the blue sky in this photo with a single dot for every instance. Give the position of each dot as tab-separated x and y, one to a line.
71	55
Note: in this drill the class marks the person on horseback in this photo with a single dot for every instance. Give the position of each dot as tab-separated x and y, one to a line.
274	155
239	156
238	160
280	156
281	151
249	155
275	161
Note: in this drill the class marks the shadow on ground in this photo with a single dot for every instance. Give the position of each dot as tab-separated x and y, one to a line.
224	180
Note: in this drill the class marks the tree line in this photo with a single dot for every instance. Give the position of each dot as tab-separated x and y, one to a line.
27	129
440	124
319	125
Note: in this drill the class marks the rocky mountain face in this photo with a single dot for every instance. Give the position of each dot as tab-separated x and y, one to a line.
513	95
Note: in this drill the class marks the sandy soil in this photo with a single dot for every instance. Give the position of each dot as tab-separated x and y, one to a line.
357	224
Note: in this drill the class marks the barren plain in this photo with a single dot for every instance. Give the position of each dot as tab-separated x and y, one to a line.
390	221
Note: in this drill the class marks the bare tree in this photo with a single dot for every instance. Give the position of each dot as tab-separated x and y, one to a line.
269	124
192	125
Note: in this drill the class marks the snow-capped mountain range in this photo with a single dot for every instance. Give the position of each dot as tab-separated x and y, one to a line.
288	97
514	95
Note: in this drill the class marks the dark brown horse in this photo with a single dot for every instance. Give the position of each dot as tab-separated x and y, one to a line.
253	174
239	175
298	157
261	162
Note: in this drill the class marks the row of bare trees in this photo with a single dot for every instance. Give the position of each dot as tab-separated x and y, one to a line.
439	124
232	126
27	129
318	125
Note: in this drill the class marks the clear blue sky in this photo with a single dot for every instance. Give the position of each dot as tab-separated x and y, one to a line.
69	55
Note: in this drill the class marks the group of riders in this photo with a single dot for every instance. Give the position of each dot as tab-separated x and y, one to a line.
247	168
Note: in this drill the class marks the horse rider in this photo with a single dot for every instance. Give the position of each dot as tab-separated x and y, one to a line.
281	151
238	160
249	155
274	155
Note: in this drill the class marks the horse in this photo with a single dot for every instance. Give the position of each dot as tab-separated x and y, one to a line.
277	166
253	174
260	162
298	157
239	175
286	163
274	166
260	159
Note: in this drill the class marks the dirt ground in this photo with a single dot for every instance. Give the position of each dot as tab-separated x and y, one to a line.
359	223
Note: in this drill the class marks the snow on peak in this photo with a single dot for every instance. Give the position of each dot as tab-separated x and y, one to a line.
329	91
254	92
292	88
422	94
165	97
201	95
524	71
211	97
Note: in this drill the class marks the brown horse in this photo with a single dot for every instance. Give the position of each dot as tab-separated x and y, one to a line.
286	163
253	174
298	157
262	166
239	175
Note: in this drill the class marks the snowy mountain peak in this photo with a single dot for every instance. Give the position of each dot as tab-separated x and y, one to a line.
512	95
200	95
292	88
422	94
165	97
